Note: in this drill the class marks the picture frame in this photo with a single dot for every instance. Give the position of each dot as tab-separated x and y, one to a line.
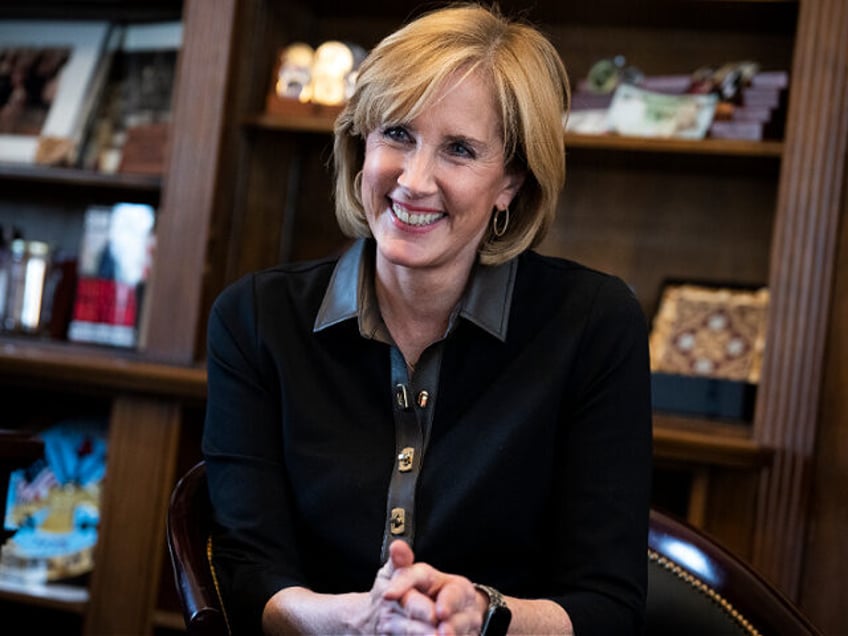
67	86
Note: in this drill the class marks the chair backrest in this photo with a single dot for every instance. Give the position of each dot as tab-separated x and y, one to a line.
697	587
189	544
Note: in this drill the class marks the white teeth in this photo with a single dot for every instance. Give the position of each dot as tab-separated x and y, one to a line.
415	219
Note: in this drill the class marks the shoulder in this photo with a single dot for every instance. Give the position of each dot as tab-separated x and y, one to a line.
569	280
300	284
571	297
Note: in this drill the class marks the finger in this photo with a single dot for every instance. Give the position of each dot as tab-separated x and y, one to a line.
419	607
419	576
456	608
399	624
464	622
456	595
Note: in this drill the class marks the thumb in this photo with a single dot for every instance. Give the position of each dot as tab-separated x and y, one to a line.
400	554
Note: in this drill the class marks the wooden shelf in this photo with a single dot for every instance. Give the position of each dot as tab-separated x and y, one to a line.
683	146
707	442
68	598
92	9
313	124
98	368
76	178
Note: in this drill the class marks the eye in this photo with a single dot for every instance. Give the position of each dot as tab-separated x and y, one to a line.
397	133
461	149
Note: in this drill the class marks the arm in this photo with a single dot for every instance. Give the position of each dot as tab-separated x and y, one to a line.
257	549
254	544
302	611
604	485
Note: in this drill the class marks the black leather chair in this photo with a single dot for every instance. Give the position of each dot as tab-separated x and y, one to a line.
695	586
190	547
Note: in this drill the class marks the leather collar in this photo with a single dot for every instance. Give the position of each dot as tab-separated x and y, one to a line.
350	294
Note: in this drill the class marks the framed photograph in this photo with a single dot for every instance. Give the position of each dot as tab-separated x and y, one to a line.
46	72
638	112
130	124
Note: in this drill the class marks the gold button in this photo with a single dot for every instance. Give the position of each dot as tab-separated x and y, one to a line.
397	524
423	398
401	397
405	459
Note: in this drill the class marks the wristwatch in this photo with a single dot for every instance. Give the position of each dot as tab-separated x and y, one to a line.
497	617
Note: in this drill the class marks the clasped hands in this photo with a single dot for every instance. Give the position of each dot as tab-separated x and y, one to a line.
416	598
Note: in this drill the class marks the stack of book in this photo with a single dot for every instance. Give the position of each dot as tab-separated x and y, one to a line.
683	106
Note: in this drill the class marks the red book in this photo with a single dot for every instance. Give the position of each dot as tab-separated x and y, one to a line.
112	268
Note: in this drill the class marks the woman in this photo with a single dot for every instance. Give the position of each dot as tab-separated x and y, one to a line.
441	431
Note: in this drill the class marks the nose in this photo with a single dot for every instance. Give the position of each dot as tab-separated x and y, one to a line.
417	175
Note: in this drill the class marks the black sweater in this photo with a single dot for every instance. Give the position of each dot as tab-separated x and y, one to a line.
533	471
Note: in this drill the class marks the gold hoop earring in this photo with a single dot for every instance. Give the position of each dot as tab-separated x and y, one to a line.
357	187
500	222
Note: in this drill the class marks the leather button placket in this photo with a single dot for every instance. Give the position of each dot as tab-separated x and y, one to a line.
413	405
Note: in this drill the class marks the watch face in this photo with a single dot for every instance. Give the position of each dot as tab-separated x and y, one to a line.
497	622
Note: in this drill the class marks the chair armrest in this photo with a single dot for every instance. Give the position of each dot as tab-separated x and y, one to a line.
189	514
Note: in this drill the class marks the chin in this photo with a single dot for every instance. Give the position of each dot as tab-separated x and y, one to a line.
405	253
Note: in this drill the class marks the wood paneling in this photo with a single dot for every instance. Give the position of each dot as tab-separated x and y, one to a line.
193	185
826	548
801	277
143	441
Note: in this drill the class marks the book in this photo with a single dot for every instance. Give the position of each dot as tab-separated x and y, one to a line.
635	111
587	122
112	268
741	130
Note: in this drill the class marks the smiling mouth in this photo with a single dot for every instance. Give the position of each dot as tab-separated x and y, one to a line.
417	219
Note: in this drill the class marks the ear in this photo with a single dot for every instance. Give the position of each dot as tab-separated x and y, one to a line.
512	184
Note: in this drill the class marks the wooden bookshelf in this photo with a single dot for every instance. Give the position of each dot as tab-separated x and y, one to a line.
243	190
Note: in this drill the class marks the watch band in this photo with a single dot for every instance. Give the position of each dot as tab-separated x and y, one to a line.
497	617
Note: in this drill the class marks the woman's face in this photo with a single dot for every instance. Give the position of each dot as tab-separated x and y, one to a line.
429	185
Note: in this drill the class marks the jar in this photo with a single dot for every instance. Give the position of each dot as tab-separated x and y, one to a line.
28	265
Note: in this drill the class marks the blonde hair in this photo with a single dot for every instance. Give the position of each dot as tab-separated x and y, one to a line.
403	72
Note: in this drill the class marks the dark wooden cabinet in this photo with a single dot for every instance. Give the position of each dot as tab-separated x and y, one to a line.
243	190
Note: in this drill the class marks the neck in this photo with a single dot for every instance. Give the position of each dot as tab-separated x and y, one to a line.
416	305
